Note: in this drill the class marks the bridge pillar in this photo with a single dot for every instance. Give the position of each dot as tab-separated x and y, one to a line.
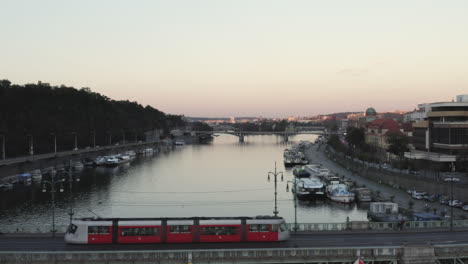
241	138
285	137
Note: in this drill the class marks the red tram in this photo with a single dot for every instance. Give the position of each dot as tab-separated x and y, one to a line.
176	230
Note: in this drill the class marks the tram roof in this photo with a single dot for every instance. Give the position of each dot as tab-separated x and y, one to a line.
179	218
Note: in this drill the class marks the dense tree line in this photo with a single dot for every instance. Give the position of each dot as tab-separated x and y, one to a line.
40	112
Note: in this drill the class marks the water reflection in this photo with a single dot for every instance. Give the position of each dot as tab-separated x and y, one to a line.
225	178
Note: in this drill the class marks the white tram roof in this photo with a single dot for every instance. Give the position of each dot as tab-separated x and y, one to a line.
179	222
92	223
221	222
265	221
134	223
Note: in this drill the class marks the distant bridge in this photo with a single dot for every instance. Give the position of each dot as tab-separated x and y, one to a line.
285	134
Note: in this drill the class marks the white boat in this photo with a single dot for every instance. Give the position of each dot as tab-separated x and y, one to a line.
311	187
101	160
130	153
179	142
36	174
78	165
339	192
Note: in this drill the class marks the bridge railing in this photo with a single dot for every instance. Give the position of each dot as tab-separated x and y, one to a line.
301	227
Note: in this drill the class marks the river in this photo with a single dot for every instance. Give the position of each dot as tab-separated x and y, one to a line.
223	178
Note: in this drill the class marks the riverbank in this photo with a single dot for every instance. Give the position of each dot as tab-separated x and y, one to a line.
317	154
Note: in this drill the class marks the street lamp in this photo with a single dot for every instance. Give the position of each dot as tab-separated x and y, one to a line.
275	174
55	142
3	146
451	195
31	145
70	186
123	136
94	138
76	140
52	184
294	191
110	137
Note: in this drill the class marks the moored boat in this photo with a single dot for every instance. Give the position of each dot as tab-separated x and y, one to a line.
339	192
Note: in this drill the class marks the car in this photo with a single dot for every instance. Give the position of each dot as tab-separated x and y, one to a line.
448	179
430	198
75	149
444	201
414	172
465	207
417	196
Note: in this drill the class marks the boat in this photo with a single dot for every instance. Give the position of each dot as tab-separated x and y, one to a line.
100	161
307	188
116	160
78	165
179	142
36	174
363	195
384	212
339	192
130	153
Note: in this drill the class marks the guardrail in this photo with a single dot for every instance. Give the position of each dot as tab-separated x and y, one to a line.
264	255
301	227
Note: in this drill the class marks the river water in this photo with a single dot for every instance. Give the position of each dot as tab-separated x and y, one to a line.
223	178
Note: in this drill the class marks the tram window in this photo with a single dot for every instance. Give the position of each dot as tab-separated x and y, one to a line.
139	231
283	227
274	228
72	229
98	230
259	228
219	230
180	229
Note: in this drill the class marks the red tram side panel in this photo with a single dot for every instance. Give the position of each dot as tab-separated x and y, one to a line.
136	232
100	232
179	231
262	230
220	231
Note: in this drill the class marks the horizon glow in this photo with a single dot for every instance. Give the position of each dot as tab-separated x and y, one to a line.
265	58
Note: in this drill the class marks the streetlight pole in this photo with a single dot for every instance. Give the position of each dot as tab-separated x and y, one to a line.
76	140
3	146
70	186
52	183
31	145
294	191
275	174
451	195
94	138
55	142
123	136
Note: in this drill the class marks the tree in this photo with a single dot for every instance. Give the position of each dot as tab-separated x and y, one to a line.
397	144
200	126
355	137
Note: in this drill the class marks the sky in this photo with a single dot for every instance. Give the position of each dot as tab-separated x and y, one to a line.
267	58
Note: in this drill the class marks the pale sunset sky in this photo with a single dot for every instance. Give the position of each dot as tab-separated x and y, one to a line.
243	57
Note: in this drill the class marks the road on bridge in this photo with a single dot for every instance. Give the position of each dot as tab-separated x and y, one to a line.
302	240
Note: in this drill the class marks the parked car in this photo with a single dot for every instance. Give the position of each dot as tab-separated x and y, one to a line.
417	196
448	179
455	203
444	201
430	198
465	207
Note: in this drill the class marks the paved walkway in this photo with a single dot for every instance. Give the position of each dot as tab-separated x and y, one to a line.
315	154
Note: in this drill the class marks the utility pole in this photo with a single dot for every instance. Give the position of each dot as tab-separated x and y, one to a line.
3	146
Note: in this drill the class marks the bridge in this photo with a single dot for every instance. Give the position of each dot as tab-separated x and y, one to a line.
285	134
314	243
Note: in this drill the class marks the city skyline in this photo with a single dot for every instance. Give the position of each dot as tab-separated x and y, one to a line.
243	58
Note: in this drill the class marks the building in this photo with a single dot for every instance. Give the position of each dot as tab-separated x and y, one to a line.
441	134
377	132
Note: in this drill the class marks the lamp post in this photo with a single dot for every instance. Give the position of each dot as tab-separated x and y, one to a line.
94	138
123	136
31	145
52	184
294	191
275	175
76	140
3	146
110	137
70	187
55	142
451	195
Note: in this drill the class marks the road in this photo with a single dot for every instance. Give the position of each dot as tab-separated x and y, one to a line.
303	240
316	154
